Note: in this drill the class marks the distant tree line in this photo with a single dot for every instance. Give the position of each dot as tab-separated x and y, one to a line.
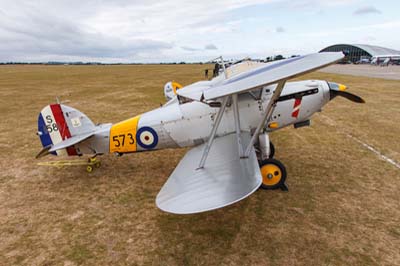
96	63
268	59
277	57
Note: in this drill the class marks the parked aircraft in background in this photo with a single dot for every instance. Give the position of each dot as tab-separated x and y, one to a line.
385	60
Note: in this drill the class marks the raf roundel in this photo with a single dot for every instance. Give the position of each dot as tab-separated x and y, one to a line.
147	138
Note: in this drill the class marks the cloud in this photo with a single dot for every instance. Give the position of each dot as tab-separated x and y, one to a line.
109	29
312	4
30	35
190	49
366	10
148	31
379	27
210	47
194	49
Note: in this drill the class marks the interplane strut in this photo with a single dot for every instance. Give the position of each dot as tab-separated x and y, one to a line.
267	115
213	132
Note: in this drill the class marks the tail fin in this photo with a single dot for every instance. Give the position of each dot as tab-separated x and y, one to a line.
58	122
170	89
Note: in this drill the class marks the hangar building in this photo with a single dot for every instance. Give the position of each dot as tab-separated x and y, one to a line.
356	52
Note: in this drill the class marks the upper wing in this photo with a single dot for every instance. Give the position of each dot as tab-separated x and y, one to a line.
264	75
225	178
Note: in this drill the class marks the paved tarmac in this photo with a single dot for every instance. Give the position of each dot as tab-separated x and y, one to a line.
390	72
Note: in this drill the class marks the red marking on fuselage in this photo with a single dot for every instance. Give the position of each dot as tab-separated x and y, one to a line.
62	126
296	108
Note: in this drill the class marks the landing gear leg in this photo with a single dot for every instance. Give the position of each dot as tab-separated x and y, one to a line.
265	147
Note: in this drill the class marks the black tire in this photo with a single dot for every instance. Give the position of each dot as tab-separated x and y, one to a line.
273	174
271	150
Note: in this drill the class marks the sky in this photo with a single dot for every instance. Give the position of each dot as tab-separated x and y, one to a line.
150	31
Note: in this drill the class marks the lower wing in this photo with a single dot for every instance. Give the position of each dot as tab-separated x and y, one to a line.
225	178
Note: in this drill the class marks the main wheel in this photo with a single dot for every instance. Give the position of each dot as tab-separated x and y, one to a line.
273	174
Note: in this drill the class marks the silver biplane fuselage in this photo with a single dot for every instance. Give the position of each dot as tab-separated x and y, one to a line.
182	123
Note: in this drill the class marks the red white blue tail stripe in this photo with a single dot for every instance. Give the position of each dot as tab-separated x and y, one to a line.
52	128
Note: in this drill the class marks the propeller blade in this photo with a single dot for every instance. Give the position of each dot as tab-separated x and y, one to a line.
347	95
340	90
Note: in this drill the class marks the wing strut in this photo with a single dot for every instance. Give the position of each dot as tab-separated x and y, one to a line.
213	132
237	123
268	112
267	115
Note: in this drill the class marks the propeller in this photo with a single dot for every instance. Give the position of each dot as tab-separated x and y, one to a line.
339	90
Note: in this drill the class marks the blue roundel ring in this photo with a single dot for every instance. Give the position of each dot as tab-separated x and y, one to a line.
147	137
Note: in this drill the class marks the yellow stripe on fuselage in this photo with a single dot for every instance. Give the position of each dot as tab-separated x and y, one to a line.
123	135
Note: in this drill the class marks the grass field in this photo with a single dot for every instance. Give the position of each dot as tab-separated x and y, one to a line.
342	207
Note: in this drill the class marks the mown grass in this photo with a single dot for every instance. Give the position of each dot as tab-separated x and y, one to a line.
342	207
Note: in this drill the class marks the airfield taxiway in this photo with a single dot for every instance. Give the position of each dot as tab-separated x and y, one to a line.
389	72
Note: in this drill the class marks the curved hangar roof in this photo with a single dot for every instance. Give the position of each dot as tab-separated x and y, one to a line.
372	50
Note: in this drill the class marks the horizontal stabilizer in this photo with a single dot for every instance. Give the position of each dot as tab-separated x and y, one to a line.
71	141
264	75
225	178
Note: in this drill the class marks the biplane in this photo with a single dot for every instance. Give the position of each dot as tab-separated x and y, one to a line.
226	120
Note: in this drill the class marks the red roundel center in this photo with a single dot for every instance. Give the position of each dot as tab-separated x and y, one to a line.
146	137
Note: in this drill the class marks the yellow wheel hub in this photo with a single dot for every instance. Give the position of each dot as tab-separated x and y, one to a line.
271	174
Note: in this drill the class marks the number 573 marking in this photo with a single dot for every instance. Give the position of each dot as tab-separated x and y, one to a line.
119	140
